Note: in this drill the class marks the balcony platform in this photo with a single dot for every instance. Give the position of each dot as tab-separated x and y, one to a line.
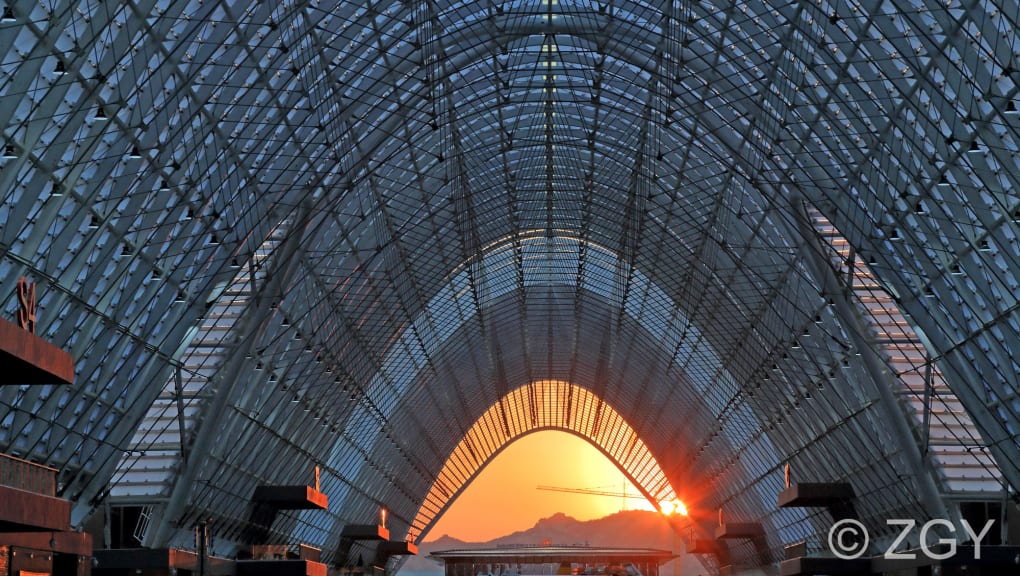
739	530
364	532
28	359
388	548
73	543
397	548
24	511
815	495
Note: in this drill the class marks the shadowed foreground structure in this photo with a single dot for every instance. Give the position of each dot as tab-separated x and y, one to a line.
553	560
382	240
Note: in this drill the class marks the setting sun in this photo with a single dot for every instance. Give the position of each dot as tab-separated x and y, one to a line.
671	507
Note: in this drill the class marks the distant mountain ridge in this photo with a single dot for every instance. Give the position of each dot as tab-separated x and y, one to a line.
628	529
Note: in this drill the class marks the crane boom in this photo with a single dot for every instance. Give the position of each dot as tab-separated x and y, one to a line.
590	491
667	507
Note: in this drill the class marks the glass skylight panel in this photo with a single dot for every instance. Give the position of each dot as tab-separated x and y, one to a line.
266	142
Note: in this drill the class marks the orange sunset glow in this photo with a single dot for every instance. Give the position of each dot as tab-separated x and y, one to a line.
504	498
555	460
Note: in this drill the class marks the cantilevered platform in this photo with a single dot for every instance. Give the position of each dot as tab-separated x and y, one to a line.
364	532
739	530
815	494
389	548
24	511
28	359
838	497
352	533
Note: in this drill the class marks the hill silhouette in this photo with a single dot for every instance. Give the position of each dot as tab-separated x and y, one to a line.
627	529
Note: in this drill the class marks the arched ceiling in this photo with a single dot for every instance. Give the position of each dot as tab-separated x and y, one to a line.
337	233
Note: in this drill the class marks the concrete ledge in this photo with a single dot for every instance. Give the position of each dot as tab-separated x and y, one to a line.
28	359
23	511
290	497
815	494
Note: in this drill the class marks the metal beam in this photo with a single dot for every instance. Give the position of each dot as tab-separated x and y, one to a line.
880	377
286	261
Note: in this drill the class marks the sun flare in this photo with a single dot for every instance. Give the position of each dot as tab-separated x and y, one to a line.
672	507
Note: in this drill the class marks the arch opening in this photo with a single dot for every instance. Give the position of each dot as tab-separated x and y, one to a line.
545	475
544	405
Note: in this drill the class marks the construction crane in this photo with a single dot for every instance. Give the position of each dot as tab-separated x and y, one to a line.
590	491
666	506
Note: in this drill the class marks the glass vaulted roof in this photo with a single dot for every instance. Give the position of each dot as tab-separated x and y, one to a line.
369	236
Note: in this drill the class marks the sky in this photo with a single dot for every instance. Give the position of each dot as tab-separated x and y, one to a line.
503	498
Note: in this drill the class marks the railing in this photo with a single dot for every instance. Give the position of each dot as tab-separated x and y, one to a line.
25	475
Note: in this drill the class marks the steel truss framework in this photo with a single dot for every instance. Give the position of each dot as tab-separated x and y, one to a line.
281	234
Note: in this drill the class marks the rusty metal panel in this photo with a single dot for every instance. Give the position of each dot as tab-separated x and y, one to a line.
24	511
25	475
28	359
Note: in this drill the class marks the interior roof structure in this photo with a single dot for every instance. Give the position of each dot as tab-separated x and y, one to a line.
279	235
